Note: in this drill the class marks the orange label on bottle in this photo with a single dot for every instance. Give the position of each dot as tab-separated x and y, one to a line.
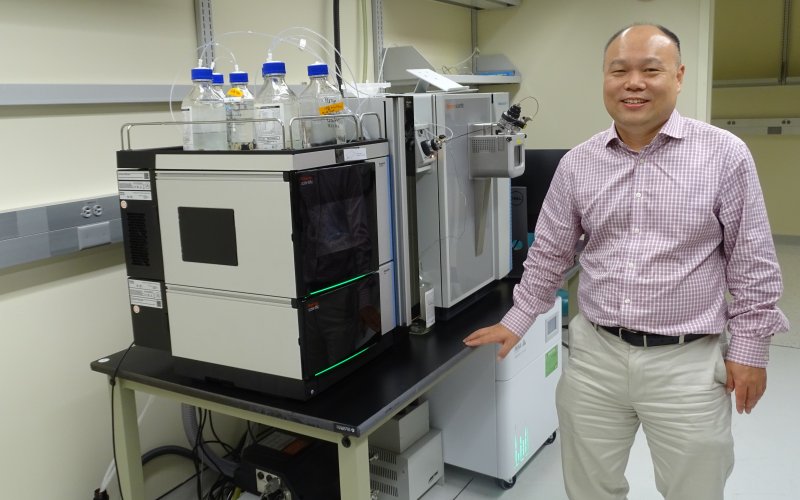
234	92
331	109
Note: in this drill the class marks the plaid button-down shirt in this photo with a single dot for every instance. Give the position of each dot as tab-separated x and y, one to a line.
669	230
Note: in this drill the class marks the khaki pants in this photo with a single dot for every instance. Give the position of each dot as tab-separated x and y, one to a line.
676	392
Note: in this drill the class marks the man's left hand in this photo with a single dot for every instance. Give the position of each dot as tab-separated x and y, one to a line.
749	383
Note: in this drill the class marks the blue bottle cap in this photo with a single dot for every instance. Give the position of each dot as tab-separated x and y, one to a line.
273	68
201	74
318	69
217	79
238	77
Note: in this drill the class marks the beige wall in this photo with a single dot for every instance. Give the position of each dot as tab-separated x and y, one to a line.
62	313
557	46
440	32
271	25
94	41
777	157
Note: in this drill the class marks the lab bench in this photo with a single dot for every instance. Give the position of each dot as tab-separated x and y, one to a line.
344	414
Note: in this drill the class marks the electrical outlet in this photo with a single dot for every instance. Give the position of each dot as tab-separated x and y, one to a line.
86	211
97	210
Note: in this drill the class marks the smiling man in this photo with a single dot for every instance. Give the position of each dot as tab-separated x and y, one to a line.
673	218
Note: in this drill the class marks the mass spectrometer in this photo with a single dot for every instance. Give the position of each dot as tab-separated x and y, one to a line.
459	154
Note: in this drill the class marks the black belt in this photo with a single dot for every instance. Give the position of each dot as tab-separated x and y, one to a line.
644	339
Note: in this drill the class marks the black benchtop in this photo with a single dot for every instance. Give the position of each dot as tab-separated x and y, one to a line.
353	405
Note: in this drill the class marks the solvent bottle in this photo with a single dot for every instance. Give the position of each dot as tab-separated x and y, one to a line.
321	98
275	100
203	103
239	105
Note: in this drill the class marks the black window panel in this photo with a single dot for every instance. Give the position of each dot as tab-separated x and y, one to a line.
335	224
208	235
339	323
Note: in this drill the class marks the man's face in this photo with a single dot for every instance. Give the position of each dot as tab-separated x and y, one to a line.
642	79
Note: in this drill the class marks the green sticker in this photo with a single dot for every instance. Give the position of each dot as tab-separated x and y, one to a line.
551	361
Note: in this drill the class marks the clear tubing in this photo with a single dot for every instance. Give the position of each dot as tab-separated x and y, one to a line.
380	70
297	45
205	47
329	49
294	40
447	69
327	46
435	125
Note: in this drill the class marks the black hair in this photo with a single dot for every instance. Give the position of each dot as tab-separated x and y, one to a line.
667	32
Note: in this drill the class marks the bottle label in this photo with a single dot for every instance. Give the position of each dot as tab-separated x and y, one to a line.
235	92
331	109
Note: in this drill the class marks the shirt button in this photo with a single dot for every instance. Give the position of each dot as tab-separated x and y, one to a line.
638	195
636	230
630	264
627	301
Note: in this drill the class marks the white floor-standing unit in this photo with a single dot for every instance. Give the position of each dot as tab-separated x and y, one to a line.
494	415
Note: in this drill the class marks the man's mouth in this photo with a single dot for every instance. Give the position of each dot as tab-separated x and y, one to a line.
634	100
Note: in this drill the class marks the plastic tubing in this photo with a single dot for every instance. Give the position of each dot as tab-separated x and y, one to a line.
327	46
191	429
204	48
297	45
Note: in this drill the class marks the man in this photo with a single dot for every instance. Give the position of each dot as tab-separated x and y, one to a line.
673	218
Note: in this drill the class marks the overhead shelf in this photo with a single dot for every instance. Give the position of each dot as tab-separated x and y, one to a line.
399	60
484	79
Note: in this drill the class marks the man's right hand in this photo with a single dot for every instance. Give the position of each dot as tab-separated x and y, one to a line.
496	333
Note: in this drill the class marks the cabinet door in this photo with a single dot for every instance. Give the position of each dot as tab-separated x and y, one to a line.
335	225
340	323
227	231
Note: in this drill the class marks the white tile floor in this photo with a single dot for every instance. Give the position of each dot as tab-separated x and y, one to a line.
767	442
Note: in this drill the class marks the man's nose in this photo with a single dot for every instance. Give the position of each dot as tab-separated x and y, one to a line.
635	81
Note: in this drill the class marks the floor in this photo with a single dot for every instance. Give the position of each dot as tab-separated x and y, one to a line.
766	441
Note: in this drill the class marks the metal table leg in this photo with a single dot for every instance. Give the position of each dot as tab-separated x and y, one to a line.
128	449
354	468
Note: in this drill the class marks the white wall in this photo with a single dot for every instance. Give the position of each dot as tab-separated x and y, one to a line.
558	48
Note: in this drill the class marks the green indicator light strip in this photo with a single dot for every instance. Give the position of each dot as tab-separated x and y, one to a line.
341	362
337	285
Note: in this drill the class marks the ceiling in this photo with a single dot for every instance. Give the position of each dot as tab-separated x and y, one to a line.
756	42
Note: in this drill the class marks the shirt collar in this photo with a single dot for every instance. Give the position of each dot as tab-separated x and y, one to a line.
673	128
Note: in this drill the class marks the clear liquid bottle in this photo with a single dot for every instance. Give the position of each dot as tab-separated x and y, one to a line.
239	105
321	98
275	100
203	103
